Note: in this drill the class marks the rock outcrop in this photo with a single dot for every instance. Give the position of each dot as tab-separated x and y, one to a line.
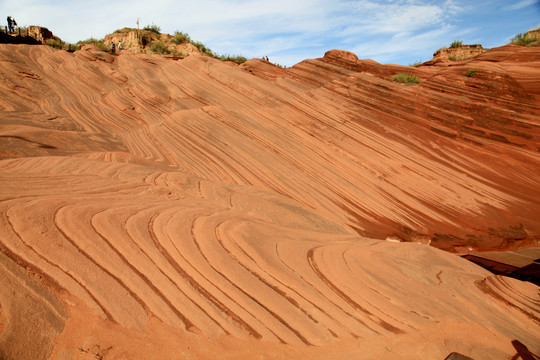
532	37
140	41
457	53
154	209
39	33
32	35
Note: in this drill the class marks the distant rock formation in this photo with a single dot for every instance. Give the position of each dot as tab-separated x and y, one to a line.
530	38
145	41
32	35
458	53
535	33
39	33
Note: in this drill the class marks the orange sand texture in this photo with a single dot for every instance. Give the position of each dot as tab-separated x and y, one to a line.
196	209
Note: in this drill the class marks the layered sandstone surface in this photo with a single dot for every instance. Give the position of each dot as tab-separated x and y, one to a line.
154	209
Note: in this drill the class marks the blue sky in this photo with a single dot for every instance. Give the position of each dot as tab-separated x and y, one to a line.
289	31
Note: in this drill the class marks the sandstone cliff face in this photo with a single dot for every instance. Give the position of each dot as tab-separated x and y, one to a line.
39	33
534	36
153	208
462	52
534	33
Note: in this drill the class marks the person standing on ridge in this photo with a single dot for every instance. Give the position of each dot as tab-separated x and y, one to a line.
10	24
113	48
119	46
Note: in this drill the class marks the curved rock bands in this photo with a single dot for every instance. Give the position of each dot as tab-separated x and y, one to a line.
517	295
109	245
328	132
274	277
195	203
56	274
219	259
197	279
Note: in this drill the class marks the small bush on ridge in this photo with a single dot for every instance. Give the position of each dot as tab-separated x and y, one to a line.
177	54
159	47
523	39
234	58
180	37
408	79
154	28
97	42
456	43
56	43
124	30
471	72
203	49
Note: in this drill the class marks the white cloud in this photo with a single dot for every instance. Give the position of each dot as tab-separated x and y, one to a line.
520	5
390	18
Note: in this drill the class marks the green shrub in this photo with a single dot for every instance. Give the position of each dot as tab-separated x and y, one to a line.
90	41
124	30
146	39
408	79
178	54
203	49
180	37
159	47
55	43
153	28
456	43
471	72
72	47
523	39
101	45
21	30
415	64
234	58
97	42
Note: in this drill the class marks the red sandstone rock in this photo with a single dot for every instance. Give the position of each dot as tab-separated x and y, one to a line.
154	209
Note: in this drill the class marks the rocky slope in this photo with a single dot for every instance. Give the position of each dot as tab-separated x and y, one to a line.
153	208
148	42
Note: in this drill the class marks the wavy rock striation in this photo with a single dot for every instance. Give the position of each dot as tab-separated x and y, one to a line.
154	208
